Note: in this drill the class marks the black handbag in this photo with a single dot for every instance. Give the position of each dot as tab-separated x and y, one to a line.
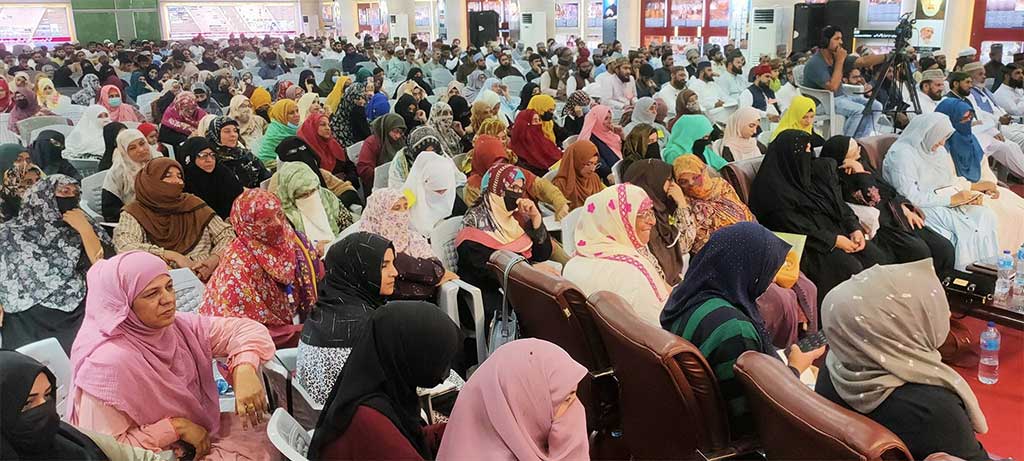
504	326
971	287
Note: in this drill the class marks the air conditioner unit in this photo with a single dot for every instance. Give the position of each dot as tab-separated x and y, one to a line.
767	32
398	25
533	27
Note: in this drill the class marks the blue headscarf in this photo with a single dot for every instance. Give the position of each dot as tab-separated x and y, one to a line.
737	264
377	106
962	145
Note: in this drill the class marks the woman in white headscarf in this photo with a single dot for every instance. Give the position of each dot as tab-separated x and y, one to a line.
86	140
474	84
441	120
740	140
646	111
921	169
130	156
250	125
431	184
884	327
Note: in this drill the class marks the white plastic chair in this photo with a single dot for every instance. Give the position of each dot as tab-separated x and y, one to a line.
826	112
569	231
85	166
381	175
63	129
188	289
7	136
71	111
441	78
145	103
353	151
568	141
328	64
288	436
132	125
92	191
617	172
49	353
514	83
351	229
27	126
442	242
265	184
550	175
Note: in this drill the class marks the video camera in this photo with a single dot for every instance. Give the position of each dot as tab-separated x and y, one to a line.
904	32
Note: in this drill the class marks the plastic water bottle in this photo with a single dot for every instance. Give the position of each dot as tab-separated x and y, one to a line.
988	367
1018	282
223	388
1001	296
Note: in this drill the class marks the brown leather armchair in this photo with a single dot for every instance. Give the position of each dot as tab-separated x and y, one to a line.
875	148
794	423
741	175
554	309
670	403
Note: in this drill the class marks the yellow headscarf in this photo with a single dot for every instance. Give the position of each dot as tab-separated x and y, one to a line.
279	111
41	85
334	98
791	119
540	104
260	97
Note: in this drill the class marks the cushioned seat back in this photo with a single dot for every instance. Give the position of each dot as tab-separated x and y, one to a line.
670	402
875	148
741	175
794	423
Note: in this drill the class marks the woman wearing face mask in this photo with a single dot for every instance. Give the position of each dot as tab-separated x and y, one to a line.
140	85
90	92
284	123
119	110
501	219
450	133
46	152
577	174
520	404
740	139
692	135
6	97
327	84
642	143
311	209
250	126
270	272
411	111
573	115
490	147
687	103
431	187
178	227
221	91
132	337
349	123
333	159
17	174
375	396
205	101
646	111
86	140
25	106
599	129
45	298
32	427
181	119
800	116
207	178
381	147
920	169
130	156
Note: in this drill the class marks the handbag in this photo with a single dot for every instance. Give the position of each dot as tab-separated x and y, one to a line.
504	326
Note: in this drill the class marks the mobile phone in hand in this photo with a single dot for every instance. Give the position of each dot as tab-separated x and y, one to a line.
812	342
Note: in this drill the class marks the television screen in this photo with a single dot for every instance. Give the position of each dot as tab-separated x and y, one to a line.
219	20
35	23
1004	14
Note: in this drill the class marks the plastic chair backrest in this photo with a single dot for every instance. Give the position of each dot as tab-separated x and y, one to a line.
145	103
442	242
64	129
92	190
85	166
49	353
288	436
132	125
568	141
514	83
380	176
353	151
265	184
569	231
351	229
27	126
328	64
617	172
441	78
188	289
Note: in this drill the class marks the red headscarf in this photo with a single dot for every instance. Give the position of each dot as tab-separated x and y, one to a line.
488	150
531	145
329	150
6	102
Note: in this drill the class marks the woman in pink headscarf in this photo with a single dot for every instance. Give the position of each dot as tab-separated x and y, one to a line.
143	373
181	119
501	413
599	129
112	99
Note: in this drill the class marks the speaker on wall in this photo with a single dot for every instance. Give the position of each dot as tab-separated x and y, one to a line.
808	19
483	27
844	14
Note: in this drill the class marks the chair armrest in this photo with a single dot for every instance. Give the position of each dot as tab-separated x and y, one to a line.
448	301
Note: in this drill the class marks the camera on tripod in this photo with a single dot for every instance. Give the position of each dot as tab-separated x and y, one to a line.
904	32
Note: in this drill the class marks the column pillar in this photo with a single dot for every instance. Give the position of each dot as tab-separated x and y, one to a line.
456	20
628	27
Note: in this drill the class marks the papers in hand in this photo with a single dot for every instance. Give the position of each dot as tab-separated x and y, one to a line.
809	377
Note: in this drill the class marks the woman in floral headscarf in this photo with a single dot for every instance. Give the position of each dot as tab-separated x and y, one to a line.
348	122
441	120
269	272
223	134
181	119
17	174
250	125
90	92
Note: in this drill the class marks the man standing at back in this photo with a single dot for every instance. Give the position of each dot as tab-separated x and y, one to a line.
824	71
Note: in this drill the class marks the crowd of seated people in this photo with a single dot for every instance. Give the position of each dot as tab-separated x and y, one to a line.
310	184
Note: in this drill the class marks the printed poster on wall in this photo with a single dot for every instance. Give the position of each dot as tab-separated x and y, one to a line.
687	13
610	13
928	33
884	10
567	14
718	13
930	9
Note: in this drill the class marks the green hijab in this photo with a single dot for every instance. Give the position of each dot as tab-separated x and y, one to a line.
327	84
9	155
294	178
364	74
276	132
380	127
687	130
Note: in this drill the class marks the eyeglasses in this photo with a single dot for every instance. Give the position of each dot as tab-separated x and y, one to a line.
647	215
205	155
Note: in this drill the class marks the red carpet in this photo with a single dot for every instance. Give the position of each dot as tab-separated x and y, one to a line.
1003	402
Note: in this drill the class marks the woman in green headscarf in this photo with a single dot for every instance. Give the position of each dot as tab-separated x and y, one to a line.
691	134
363	75
327	84
310	208
284	123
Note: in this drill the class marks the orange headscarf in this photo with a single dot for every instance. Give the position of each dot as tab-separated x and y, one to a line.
574	178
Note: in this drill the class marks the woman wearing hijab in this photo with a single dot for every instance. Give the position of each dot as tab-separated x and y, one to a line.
46	154
406	345
377	107
687	103
535	151
349	123
307	81
152	133
474	84
646	111
86	140
490	149
611	250
970	163
6	97
309	104
526	95
380	148
520	404
260	101
715	307
178	227
181	119
48	246
337	93
794	192
411	111
90	92
431	185
269	272
130	156
312	209
573	115
920	169
32	429
692	135
171	89
415	76
502	218
223	136
421	139
25	106
740	139
294	149
327	84
902	233
17	175
132	338
117	107
205	101
207	178
110	132
577	177
46	94
284	123
250	126
599	129
800	116
641	143
674	231
544	106
907	388
317	134
221	91
442	121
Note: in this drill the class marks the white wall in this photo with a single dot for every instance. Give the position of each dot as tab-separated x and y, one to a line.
456	20
628	31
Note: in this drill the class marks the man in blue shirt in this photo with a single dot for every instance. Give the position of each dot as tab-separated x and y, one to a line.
821	72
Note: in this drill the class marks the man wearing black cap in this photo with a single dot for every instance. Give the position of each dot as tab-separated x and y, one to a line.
994	67
715	103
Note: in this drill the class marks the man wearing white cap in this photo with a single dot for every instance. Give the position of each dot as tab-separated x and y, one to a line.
940	59
996	134
965	56
929	91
